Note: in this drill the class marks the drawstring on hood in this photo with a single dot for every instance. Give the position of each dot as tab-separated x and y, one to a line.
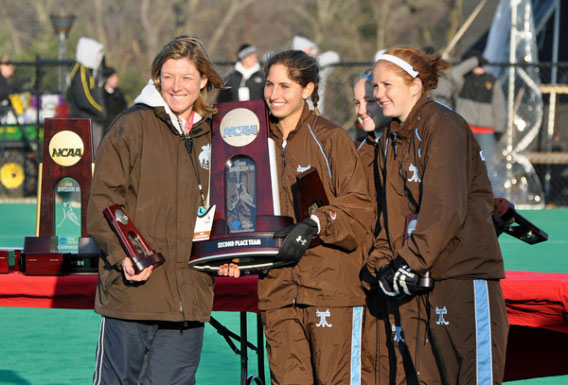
150	96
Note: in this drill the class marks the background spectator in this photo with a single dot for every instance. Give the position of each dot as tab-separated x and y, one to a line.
8	86
85	89
114	100
246	82
479	99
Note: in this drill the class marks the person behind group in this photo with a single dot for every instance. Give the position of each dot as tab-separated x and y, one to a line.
436	220
246	82
480	100
325	63
85	88
114	100
373	123
312	309
149	162
370	119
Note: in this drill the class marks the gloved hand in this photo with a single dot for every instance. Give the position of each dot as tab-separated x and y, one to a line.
298	238
397	279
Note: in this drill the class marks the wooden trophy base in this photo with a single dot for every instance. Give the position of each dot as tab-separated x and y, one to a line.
9	261
253	252
143	261
40	257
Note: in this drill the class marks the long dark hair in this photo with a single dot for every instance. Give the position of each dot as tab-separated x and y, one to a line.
302	68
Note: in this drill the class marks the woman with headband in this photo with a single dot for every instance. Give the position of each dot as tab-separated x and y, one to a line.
450	328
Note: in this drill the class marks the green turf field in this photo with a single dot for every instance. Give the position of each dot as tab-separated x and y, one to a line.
57	346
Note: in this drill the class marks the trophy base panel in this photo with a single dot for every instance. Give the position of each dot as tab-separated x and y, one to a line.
40	245
253	252
247	265
58	263
44	264
144	261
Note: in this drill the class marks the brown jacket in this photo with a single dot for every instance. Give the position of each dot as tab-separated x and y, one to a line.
436	170
143	164
328	274
368	150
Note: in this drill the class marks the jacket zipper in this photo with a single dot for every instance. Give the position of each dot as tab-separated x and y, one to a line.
394	144
283	157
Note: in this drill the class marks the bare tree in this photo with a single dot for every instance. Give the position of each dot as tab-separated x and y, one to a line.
381	13
133	31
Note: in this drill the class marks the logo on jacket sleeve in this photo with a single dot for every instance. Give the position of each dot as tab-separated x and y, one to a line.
301	169
205	156
414	170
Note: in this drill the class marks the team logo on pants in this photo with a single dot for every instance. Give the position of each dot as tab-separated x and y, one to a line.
441	312
397	331
323	321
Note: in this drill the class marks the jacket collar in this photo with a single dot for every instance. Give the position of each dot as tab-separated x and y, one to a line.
405	128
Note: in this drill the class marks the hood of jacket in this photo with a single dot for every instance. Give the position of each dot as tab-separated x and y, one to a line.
151	97
90	52
247	73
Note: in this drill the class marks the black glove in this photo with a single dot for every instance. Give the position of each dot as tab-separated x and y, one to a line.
499	224
298	238
397	279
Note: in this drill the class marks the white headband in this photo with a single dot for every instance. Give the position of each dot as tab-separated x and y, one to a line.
401	63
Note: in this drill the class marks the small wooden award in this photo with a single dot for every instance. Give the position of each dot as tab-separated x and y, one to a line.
134	245
516	225
310	196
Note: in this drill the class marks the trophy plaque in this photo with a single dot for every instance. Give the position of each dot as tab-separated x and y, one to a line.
134	245
244	190
309	196
67	153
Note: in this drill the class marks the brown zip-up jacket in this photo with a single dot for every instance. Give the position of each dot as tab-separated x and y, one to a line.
367	150
328	274
432	166
144	165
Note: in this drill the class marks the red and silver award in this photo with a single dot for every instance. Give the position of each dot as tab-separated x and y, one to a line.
134	245
244	191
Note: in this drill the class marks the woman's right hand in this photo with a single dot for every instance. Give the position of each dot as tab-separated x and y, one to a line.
130	274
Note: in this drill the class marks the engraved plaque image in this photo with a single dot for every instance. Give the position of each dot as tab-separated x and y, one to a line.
241	205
